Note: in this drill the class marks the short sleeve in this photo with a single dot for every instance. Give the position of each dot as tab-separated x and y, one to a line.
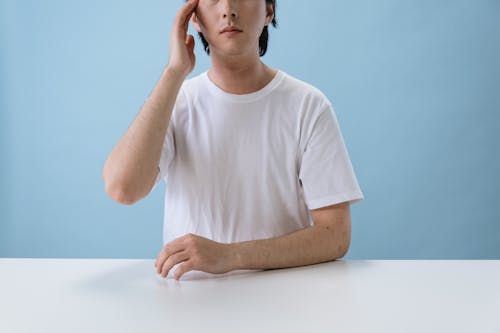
326	171
168	150
167	154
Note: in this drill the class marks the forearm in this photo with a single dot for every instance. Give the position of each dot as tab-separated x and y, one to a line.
131	166
303	247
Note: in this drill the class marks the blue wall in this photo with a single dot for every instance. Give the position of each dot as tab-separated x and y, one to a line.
415	85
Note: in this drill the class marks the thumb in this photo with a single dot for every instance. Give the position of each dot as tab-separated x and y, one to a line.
190	42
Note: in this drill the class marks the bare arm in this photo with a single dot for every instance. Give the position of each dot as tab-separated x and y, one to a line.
328	239
132	166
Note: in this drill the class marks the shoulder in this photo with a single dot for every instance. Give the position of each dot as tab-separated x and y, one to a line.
194	83
189	89
304	91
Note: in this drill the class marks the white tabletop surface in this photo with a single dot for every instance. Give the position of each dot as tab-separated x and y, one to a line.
117	295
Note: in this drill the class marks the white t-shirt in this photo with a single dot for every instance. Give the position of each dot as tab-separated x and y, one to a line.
247	167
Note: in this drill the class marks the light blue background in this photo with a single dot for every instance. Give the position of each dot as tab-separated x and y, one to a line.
415	85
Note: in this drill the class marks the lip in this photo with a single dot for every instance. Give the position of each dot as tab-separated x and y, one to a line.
230	29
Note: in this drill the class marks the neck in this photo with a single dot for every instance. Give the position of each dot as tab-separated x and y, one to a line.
239	74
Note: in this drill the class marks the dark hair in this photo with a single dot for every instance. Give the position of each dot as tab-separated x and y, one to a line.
263	39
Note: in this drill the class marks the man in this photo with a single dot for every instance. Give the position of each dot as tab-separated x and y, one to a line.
258	176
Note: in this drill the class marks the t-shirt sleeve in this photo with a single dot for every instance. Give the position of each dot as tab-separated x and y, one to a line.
167	154
326	172
168	150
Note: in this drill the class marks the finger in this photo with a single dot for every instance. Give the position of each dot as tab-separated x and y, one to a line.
183	15
169	249
162	257
186	23
190	42
186	266
173	260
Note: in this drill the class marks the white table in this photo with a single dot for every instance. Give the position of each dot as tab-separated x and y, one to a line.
109	295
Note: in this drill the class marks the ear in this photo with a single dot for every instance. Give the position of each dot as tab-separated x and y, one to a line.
270	13
196	24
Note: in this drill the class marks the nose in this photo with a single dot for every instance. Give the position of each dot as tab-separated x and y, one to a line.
229	10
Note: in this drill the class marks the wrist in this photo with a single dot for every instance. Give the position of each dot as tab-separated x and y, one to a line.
235	257
175	73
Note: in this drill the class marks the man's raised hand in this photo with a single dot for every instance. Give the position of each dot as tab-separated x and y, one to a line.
181	54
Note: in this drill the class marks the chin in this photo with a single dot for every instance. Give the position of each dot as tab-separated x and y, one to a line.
235	52
232	51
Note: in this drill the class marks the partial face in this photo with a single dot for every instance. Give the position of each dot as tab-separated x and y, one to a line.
246	19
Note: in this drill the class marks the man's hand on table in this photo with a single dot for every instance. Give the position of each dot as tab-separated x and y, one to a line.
195	253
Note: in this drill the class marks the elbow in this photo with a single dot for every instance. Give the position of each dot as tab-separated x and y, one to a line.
338	254
343	249
345	242
119	192
343	252
120	195
340	248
